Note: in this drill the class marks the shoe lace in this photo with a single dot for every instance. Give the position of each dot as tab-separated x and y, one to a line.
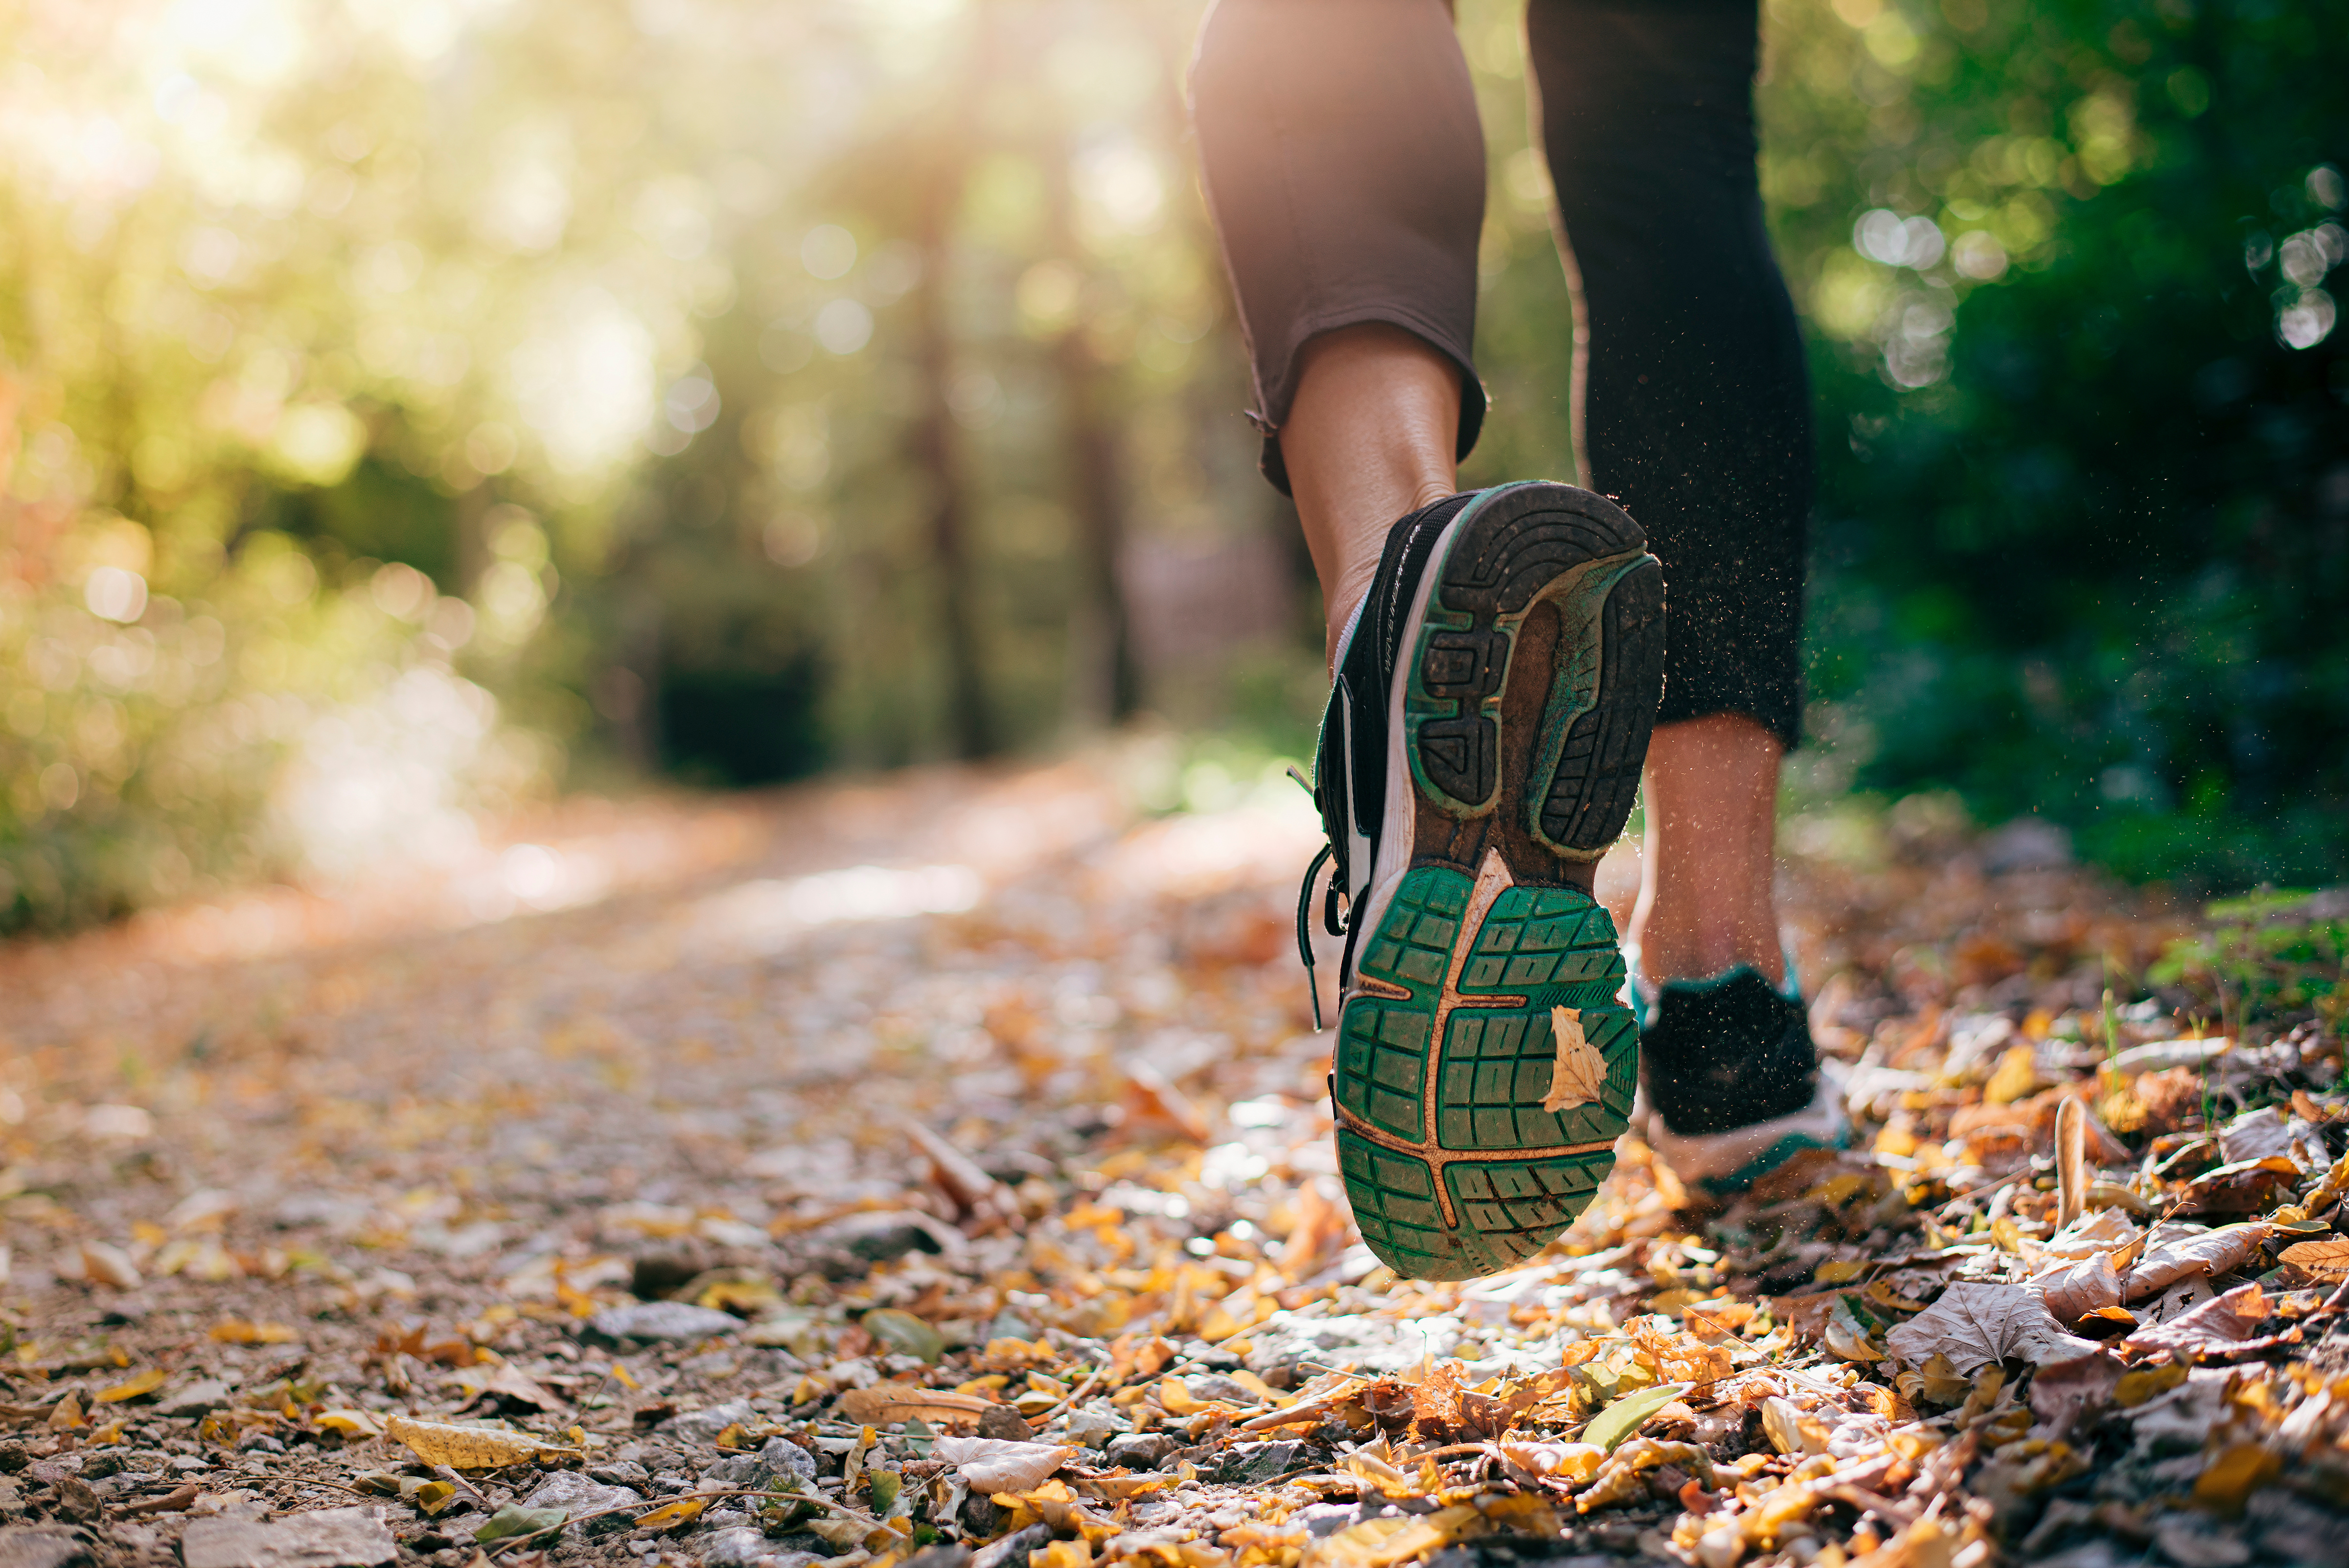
1335	918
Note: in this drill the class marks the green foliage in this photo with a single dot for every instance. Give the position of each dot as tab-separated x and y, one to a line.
742	389
2084	519
2084	531
2266	956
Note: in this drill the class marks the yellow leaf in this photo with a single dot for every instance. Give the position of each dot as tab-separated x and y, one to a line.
434	1496
620	1372
1176	1398
1382	1543
2136	1387
1579	1072
2016	1077
1061	1554
467	1448
668	1516
67	1415
1840	1270
349	1423
109	1433
237	1330
132	1387
2237	1472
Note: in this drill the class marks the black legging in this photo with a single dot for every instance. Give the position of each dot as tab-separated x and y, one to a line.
1346	168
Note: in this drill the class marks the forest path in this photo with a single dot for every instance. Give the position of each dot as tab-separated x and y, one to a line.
689	1128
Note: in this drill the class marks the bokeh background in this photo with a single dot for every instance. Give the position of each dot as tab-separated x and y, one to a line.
410	409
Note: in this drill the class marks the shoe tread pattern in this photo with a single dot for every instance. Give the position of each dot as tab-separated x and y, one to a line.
1520	543
1534	948
1596	776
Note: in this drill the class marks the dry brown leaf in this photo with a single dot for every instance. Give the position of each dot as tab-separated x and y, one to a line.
2324	1258
1579	1072
2062	1393
887	1402
467	1448
991	1465
2222	1320
507	1382
2071	1160
1977	1323
2170	1259
2072	1290
2106	1230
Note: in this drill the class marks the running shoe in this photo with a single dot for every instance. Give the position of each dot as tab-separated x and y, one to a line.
1731	1086
1481	751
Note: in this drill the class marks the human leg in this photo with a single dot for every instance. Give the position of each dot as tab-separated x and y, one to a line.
1491	705
1692	407
1369	437
1706	868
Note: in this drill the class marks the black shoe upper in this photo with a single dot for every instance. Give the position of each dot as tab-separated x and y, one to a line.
1349	768
1722	1054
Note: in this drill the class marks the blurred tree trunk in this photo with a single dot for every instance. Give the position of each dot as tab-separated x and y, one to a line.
936	451
939	456
1104	678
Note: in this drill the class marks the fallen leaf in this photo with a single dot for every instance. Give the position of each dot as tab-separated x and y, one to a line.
2062	1392
2267	1132
2105	1230
467	1448
132	1387
2171	1258
2016	1077
1625	1416
905	1334
992	1465
885	1403
237	1330
1791	1431
361	1424
177	1501
1570	1462
507	1382
669	1515
516	1520
1579	1072
2074	1289
1978	1322
68	1414
1383	1542
2222	1320
2071	1160
2233	1474
1847	1337
2325	1260
2136	1387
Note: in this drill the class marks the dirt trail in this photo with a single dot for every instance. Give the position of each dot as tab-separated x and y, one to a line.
726	1169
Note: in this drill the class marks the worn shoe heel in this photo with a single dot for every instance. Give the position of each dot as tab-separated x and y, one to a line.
1485	1063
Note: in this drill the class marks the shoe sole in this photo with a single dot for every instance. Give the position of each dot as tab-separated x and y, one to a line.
1535	663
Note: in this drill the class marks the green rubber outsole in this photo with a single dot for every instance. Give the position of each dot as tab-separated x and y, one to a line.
1445	1053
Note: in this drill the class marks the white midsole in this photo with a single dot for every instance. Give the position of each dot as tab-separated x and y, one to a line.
1402	795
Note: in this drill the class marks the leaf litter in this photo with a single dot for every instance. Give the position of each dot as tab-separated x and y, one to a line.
657	1230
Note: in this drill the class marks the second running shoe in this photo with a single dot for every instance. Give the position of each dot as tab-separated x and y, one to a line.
1481	751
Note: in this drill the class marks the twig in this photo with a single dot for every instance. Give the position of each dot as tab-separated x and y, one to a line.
1081	1390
